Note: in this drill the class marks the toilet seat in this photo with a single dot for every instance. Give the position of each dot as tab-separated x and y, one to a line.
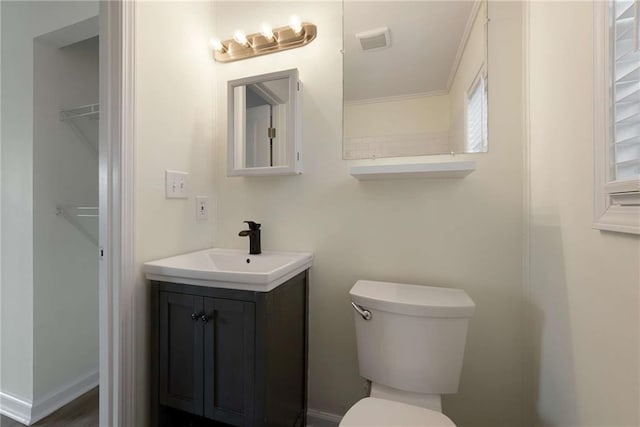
372	412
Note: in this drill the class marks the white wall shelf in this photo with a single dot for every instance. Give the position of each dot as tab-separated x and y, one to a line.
456	169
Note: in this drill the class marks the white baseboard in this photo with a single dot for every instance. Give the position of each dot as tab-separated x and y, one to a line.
27	412
317	418
15	408
62	395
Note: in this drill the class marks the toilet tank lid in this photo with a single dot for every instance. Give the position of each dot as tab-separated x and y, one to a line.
414	300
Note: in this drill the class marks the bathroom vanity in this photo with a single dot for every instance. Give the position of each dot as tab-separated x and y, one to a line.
225	352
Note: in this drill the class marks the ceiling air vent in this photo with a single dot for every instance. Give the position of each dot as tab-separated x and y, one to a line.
379	38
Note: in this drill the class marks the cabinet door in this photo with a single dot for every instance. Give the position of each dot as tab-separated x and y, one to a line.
229	361
181	335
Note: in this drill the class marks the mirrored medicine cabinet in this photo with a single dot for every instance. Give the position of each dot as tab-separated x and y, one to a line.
264	124
415	78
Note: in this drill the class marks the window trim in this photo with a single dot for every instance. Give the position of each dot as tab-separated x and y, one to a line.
610	196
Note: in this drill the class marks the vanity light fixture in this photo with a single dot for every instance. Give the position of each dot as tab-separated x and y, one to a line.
268	40
267	32
240	38
216	45
295	24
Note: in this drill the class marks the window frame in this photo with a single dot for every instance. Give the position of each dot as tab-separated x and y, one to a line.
480	77
615	202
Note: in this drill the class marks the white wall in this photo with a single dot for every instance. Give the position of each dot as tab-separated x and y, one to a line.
458	233
584	284
174	122
21	22
65	261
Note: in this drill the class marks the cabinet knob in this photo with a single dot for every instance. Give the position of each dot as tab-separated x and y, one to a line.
194	317
204	318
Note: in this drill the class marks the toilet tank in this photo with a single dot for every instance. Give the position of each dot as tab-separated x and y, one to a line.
414	340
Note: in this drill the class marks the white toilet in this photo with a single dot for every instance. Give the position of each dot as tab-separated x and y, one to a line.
410	346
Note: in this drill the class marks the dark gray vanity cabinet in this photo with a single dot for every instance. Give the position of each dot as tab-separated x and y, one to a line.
229	357
206	345
181	352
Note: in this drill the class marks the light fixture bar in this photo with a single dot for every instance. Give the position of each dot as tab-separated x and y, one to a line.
282	38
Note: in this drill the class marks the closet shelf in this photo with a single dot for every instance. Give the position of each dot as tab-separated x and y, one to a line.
83	121
78	215
91	111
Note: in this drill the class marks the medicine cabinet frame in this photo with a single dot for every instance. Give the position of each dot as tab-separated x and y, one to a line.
293	127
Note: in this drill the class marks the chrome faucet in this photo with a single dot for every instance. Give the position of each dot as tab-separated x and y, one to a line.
254	237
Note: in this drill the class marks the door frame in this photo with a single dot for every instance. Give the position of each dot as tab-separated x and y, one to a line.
116	200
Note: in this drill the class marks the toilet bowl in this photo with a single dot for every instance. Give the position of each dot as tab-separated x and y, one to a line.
411	343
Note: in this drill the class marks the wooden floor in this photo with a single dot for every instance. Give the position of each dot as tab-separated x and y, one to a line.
82	412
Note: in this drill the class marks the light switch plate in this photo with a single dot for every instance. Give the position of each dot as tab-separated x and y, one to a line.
202	207
177	184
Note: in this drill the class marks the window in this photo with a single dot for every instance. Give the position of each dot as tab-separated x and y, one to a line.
617	116
476	115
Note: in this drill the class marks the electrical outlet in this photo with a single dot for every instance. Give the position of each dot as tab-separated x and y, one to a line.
177	184
202	207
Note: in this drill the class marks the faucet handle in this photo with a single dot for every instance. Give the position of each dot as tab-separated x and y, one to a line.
253	225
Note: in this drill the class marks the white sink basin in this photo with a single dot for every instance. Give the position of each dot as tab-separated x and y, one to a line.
230	268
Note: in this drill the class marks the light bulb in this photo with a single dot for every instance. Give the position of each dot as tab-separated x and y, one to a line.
267	32
240	38
216	45
295	24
